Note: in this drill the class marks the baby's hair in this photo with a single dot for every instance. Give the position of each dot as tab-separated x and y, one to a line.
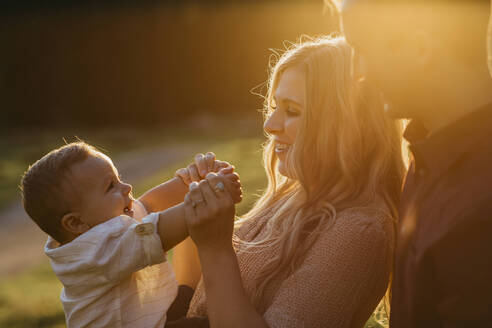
44	187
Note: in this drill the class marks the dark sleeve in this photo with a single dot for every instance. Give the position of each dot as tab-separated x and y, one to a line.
463	270
176	314
181	303
195	322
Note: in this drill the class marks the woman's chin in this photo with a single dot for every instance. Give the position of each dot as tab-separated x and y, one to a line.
282	169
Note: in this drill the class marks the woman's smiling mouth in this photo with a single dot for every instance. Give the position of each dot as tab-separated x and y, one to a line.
281	147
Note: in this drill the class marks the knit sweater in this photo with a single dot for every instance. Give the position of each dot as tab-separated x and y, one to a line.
340	282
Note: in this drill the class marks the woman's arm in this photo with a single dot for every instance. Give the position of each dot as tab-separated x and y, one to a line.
227	302
210	224
185	259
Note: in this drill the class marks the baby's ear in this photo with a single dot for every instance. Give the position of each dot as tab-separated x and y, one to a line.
72	223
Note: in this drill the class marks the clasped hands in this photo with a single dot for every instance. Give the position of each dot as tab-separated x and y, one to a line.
214	189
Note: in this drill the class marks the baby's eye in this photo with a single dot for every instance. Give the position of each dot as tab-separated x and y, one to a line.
110	186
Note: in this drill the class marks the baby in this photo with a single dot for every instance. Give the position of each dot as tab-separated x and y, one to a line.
104	246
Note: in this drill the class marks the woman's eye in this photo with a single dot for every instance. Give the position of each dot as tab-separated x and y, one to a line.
291	112
111	185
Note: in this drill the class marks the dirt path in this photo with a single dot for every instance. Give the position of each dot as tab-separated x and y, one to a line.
21	242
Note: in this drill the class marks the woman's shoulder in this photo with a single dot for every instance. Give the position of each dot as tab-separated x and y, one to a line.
248	228
361	238
376	215
361	224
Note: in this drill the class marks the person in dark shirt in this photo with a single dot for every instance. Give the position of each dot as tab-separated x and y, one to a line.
429	60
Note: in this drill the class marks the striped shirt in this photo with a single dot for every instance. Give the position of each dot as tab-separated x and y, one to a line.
115	274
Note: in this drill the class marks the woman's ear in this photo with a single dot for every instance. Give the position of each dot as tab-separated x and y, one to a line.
73	224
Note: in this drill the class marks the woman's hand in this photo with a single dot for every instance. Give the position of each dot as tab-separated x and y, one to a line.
209	216
204	164
210	211
207	163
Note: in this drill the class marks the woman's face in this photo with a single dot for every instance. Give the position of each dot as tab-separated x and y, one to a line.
285	118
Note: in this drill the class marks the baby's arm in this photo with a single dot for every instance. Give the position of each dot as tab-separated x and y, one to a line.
164	196
172	192
172	227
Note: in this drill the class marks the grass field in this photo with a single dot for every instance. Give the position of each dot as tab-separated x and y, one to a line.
31	298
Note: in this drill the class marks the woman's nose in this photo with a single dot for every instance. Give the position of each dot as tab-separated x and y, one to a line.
273	124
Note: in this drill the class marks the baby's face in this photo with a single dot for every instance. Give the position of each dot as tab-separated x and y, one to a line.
101	194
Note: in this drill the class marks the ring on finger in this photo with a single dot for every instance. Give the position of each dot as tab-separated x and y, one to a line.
194	203
219	187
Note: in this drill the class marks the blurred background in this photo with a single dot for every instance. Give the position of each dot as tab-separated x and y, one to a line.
150	83
139	62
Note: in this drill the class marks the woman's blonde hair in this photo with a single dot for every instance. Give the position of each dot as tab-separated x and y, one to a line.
345	154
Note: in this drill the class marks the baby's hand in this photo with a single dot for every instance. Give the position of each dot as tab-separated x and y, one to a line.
232	183
203	165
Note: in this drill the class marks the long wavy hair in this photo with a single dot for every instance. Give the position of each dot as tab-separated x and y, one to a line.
346	153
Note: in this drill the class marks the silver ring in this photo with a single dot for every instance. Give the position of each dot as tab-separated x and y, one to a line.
219	187
195	203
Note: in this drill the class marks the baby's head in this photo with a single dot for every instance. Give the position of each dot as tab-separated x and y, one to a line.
72	189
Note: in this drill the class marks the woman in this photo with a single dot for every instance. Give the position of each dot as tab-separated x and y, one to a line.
316	249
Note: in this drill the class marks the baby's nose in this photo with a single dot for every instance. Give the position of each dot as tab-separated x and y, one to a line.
127	188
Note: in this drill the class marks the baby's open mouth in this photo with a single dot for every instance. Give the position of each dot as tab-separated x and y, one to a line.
128	210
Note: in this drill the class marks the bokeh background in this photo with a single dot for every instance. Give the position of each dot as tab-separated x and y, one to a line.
150	83
115	62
